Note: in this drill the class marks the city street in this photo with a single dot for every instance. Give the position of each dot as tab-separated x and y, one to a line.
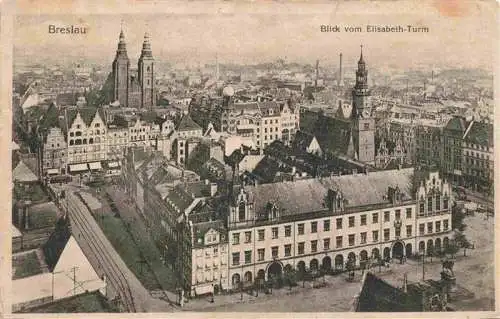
106	260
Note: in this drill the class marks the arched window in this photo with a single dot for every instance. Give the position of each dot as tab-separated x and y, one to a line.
438	202
78	141
429	204
241	211
84	141
78	133
71	142
91	141
71	134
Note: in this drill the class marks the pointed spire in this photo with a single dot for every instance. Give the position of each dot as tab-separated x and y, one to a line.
146	46
361	56
122	46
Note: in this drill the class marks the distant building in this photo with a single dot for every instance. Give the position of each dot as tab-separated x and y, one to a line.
134	88
350	131
263	122
478	155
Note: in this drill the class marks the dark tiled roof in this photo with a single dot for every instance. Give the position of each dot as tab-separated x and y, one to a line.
302	141
187	124
333	134
310	195
64	99
54	247
480	133
266	170
200	229
456	124
50	118
378	296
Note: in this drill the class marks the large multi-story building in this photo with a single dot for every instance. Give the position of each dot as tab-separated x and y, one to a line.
134	88
478	155
54	152
264	122
86	134
325	222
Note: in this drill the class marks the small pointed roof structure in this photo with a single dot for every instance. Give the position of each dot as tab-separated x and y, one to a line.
187	124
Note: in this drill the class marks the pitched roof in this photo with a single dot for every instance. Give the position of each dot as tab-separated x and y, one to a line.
23	173
480	133
266	170
54	246
200	229
456	124
86	113
64	99
302	141
332	134
187	124
378	296
309	195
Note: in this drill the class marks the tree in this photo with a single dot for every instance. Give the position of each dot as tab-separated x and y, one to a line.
462	242
457	218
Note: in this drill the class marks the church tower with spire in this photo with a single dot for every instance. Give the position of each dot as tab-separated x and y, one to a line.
146	74
121	66
362	119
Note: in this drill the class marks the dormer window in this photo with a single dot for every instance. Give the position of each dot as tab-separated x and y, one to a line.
241	211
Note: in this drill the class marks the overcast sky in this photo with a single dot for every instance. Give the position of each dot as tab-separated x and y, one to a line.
461	39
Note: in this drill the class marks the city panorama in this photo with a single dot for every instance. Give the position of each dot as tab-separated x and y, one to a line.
156	170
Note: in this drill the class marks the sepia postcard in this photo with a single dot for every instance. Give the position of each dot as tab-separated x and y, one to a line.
304	159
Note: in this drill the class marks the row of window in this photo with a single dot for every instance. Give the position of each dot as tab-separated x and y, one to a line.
433	227
433	204
314	226
79	133
314	245
95	125
477	155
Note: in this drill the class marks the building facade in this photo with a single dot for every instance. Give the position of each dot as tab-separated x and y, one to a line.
86	136
264	122
478	156
314	223
54	152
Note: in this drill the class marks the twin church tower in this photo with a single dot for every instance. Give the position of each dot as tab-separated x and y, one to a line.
134	87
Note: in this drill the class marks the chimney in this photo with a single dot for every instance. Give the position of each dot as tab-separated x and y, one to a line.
26	217
341	76
317	75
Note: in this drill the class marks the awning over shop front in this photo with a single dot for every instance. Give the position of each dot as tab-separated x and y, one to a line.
95	165
113	165
52	171
78	168
203	290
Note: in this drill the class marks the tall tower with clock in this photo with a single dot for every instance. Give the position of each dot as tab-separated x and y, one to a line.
363	124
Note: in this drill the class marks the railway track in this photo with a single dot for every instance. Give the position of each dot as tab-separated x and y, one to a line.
79	219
